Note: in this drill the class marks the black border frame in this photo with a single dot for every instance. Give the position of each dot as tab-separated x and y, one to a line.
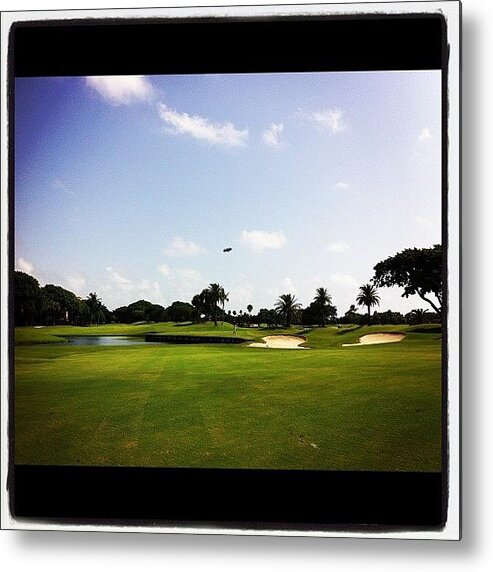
46	494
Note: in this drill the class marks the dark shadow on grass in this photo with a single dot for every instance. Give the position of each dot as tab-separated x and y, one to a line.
424	330
348	330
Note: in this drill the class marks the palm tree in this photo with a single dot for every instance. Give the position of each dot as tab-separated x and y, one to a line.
95	307
288	308
368	297
249	309
322	301
223	298
215	292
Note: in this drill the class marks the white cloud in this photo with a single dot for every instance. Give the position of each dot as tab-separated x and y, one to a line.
338	246
165	270
118	280
271	135
119	90
121	290
76	283
329	119
241	296
182	283
289	287
344	280
425	134
202	128
186	283
24	266
286	286
150	289
342	186
259	240
181	248
190	275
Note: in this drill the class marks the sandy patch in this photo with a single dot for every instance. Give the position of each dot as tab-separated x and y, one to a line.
370	339
281	342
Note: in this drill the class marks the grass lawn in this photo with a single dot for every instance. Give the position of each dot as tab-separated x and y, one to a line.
50	334
331	407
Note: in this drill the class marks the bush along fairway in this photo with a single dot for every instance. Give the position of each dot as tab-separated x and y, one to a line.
375	407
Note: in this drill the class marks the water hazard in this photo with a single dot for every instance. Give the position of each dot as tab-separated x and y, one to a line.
105	340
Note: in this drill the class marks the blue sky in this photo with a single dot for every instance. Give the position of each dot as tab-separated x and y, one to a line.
132	186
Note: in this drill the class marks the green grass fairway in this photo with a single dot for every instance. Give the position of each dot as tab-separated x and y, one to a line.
330	407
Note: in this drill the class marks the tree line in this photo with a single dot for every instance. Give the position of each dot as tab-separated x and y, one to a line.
418	271
51	305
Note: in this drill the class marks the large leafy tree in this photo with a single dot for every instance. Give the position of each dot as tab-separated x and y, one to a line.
417	270
180	311
267	316
156	313
323	303
26	298
83	313
287	308
368	297
59	305
50	310
139	311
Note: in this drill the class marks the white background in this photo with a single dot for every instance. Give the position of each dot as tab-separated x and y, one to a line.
96	551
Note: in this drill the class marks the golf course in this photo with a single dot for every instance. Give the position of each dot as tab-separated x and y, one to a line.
374	407
229	270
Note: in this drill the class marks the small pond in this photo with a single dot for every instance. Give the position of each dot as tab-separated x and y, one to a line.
105	340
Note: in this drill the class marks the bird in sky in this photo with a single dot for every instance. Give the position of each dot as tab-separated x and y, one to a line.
229	249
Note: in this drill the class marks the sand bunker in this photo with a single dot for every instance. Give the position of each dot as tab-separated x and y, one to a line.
282	342
378	339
